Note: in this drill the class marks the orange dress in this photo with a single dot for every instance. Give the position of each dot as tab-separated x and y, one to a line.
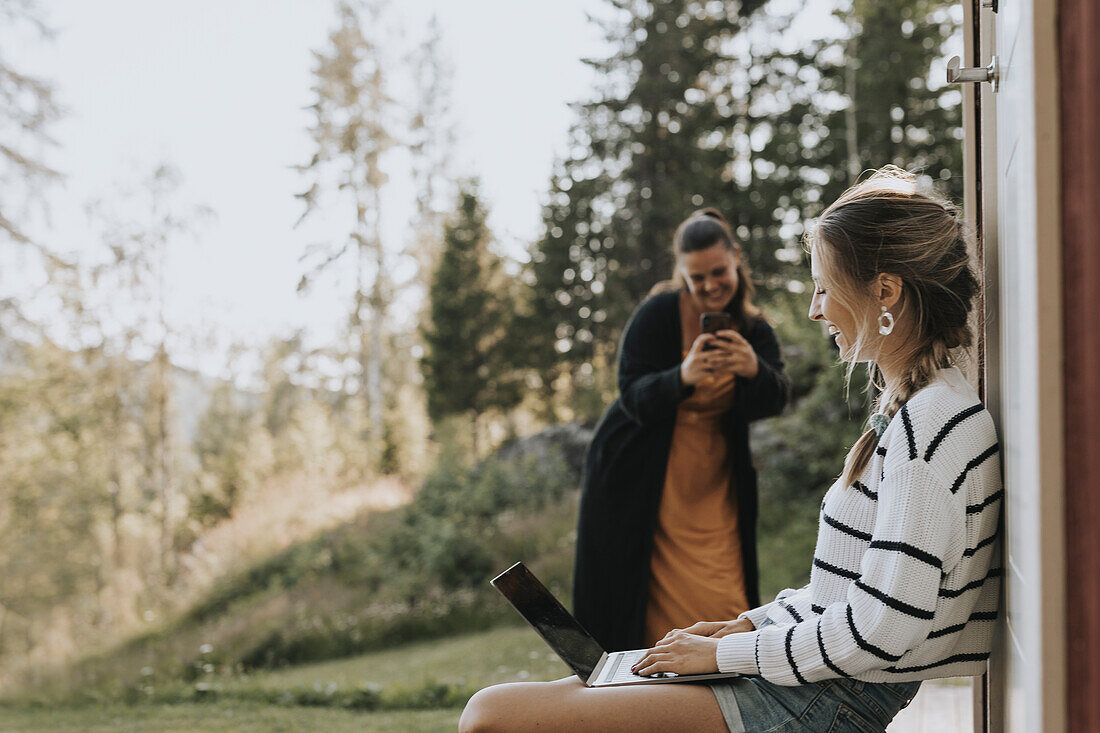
695	569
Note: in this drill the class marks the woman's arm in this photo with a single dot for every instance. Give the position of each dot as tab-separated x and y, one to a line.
703	655
789	605
650	384
888	609
765	394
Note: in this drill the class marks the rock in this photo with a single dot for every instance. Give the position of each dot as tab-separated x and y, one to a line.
571	439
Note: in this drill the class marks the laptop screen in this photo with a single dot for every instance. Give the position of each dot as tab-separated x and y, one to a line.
555	625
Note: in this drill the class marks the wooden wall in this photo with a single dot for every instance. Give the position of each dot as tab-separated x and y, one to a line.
1079	79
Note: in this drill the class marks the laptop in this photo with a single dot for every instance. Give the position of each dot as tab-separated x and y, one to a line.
576	647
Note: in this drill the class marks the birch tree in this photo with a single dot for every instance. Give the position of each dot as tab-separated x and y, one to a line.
430	140
352	117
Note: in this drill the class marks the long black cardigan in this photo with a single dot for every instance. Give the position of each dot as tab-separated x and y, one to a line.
626	461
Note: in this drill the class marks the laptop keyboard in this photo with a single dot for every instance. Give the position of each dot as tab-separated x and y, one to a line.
619	667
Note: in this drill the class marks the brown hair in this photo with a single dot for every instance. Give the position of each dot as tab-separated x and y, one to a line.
885	225
702	230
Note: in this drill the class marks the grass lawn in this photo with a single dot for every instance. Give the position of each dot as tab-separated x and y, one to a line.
409	676
475	660
222	716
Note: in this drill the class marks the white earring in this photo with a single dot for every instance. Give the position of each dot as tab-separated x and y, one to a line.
885	322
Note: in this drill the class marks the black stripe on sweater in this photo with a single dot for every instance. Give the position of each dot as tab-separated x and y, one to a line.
865	645
790	609
837	524
909	432
873	495
790	658
894	603
976	508
907	549
956	592
971	551
850	575
817	609
948	427
825	657
974	463
976	616
881	450
949	660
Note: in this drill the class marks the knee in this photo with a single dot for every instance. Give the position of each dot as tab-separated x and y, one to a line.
484	712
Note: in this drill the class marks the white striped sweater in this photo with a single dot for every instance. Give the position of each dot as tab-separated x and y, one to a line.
905	578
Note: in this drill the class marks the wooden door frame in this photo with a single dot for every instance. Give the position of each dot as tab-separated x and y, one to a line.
1022	272
980	185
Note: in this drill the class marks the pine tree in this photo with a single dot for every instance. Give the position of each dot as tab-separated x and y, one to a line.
902	115
713	105
467	369
656	143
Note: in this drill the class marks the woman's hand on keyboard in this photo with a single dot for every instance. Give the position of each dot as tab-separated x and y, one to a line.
717	629
682	653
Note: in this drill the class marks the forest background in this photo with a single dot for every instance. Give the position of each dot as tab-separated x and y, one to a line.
166	524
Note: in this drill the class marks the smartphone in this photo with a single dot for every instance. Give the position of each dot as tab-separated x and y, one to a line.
715	322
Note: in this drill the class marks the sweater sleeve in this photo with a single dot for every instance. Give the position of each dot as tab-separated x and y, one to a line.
888	608
767	393
789	606
649	379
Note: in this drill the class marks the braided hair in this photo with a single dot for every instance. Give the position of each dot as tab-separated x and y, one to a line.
885	225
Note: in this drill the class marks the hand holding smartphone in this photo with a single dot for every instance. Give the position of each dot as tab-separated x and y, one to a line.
714	322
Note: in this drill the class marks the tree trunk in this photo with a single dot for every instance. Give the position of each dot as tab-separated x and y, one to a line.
473	435
163	468
378	315
850	131
115	488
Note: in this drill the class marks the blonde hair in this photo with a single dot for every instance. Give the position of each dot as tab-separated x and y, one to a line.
885	225
702	230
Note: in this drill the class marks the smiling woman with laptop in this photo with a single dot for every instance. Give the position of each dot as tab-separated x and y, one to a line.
903	586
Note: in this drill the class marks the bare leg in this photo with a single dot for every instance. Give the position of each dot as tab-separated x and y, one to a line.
567	705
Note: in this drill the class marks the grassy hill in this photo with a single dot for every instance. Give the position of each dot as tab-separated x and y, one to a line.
382	581
378	581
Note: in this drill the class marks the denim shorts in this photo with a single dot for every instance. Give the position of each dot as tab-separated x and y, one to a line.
754	705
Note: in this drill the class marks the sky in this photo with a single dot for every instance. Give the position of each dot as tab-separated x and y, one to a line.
218	89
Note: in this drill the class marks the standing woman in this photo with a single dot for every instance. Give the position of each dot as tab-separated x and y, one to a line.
667	526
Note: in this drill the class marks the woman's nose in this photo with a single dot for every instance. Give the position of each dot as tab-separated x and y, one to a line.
815	311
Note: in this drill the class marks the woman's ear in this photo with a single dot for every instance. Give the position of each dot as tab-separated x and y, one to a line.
888	290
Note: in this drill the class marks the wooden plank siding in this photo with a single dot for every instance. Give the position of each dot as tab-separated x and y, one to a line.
1079	78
